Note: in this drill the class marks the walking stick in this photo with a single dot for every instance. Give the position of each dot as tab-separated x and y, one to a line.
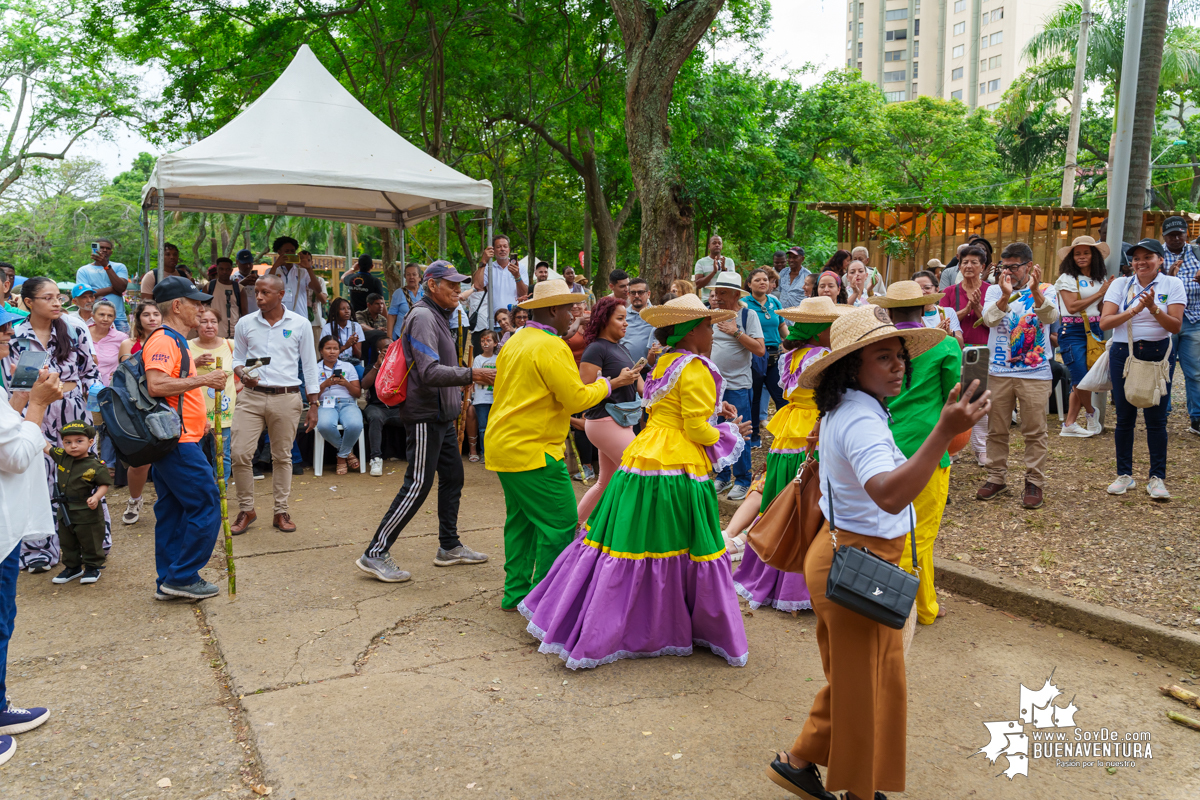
217	431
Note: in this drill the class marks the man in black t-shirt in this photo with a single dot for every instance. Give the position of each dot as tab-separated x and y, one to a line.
361	283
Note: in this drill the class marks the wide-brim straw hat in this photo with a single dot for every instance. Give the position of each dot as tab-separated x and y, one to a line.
905	294
814	309
551	293
683	309
861	327
1084	241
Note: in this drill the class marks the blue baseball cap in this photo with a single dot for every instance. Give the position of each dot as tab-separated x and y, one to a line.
81	289
245	257
443	271
7	317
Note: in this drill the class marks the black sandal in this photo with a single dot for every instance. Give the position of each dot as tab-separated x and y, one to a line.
804	783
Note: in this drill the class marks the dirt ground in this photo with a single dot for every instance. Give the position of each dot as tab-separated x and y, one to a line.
1128	552
318	682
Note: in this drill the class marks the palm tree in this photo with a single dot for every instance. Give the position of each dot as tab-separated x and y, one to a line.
1052	52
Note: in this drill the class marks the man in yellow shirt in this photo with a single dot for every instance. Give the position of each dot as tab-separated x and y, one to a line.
537	389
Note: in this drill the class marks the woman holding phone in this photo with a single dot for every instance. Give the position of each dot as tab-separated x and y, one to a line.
146	320
858	726
68	346
340	389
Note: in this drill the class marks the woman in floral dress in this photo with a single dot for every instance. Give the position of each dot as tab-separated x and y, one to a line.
72	356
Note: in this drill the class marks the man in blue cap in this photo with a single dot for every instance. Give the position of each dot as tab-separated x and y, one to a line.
84	298
432	404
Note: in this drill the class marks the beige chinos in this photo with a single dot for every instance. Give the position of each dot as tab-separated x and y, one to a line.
280	415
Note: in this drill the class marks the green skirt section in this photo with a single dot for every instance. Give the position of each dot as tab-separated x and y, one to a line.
781	469
657	516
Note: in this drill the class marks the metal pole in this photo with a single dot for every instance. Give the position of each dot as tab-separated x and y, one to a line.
403	250
1068	182
162	226
145	240
487	269
1118	180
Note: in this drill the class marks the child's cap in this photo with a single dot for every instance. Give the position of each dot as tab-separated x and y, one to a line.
78	428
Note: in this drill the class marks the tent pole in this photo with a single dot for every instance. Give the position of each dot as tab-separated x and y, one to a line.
162	226
487	267
403	249
145	240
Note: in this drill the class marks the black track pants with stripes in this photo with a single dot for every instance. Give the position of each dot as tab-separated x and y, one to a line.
432	448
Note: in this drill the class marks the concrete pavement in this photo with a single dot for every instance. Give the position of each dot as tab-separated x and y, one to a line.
341	686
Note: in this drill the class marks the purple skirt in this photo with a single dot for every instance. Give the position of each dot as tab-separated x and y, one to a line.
593	609
767	586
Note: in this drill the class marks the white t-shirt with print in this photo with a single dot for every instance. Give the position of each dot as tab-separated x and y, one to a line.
1168	291
482	396
1085	288
1019	345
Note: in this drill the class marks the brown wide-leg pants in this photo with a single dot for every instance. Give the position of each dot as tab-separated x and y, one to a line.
858	722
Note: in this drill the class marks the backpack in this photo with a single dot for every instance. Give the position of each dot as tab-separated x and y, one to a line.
143	429
391	383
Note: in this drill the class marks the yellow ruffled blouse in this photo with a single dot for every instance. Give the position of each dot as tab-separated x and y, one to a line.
678	428
791	424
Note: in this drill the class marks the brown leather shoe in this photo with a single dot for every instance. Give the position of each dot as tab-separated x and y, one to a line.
990	490
1033	496
244	518
284	522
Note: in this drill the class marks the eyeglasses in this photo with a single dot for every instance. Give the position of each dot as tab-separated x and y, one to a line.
49	298
639	291
1015	266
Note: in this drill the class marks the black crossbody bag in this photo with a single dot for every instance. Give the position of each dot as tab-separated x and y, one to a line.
867	584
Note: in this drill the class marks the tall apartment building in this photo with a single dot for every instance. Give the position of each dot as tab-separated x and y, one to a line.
968	50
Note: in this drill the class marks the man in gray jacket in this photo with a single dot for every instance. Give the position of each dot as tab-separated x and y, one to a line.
430	407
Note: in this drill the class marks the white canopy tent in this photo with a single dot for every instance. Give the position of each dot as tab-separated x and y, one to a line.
307	148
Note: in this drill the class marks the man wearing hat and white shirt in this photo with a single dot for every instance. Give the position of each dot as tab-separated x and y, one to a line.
1183	261
711	265
791	279
431	405
246	278
735	342
84	298
538	388
272	398
878	288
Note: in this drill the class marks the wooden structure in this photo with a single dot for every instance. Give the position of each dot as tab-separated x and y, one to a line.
924	233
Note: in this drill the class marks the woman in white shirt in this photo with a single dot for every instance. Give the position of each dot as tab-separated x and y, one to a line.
338	391
1081	285
857	725
349	334
1150	305
858	288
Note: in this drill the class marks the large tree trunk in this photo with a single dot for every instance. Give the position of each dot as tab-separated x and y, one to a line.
1154	34
656	45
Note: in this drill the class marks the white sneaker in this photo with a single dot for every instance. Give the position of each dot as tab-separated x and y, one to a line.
1157	489
721	485
376	467
1074	430
1122	484
738	492
133	510
1094	425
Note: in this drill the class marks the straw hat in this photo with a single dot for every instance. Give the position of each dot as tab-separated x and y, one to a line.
728	280
905	294
551	293
861	327
683	309
1081	241
814	309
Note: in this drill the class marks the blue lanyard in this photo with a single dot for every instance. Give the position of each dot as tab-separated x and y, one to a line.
1131	295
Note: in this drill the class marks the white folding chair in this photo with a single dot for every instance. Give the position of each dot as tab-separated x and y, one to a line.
319	451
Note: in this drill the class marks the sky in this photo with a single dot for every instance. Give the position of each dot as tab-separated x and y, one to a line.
802	31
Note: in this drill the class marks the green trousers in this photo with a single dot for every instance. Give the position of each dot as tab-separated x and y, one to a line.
541	521
82	543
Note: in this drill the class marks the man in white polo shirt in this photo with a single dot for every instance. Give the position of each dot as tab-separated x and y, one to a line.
272	399
707	268
504	278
